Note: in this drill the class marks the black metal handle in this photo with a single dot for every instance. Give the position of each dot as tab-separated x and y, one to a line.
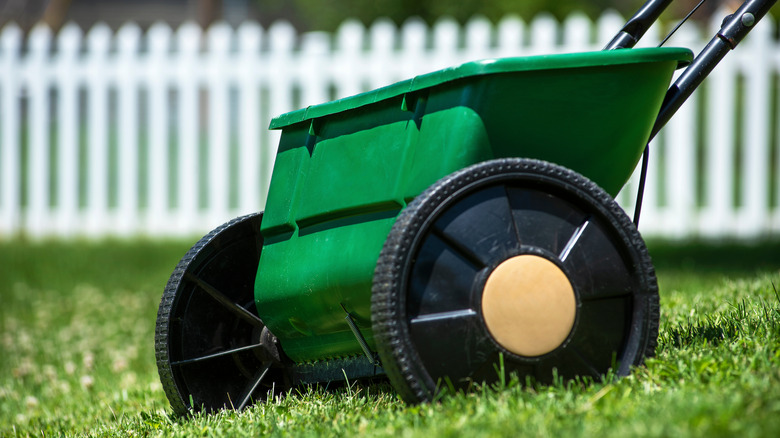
636	27
734	28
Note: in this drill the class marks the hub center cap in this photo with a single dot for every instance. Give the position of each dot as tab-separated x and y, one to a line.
529	305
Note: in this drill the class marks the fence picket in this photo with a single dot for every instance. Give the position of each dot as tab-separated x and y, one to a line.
38	173
280	64
414	39
98	45
218	174
716	214
347	75
188	129
478	35
576	33
651	212
755	165
128	41
312	82
382	36
775	227
250	120
607	25
681	141
544	35
158	180
67	189
10	148
445	41
511	38
175	121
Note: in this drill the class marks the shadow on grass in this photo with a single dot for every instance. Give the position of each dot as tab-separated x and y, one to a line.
747	319
711	331
106	264
727	258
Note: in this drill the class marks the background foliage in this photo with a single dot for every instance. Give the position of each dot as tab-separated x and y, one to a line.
328	14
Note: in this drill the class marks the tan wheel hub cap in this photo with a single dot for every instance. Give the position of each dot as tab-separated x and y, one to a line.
529	306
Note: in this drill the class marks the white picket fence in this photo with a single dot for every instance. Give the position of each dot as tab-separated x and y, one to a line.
164	132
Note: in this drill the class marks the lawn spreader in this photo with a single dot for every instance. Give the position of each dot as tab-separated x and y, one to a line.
442	229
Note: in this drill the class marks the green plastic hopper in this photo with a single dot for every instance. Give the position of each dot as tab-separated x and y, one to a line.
345	169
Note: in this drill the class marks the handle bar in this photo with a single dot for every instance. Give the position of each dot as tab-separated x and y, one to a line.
734	28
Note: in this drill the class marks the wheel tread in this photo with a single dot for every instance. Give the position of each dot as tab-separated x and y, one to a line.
399	359
179	402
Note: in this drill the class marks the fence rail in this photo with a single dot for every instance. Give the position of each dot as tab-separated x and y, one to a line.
164	132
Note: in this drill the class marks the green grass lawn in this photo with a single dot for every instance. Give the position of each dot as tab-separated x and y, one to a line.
77	358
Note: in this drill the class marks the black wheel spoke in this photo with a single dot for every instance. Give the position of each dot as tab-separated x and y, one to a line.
452	343
573	361
443	316
480	227
441	279
459	248
217	355
225	301
596	265
573	240
604	328
247	396
543	220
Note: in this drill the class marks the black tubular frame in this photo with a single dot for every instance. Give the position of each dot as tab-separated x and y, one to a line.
733	29
636	27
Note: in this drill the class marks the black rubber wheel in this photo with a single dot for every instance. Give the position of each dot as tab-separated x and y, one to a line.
212	349
428	319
